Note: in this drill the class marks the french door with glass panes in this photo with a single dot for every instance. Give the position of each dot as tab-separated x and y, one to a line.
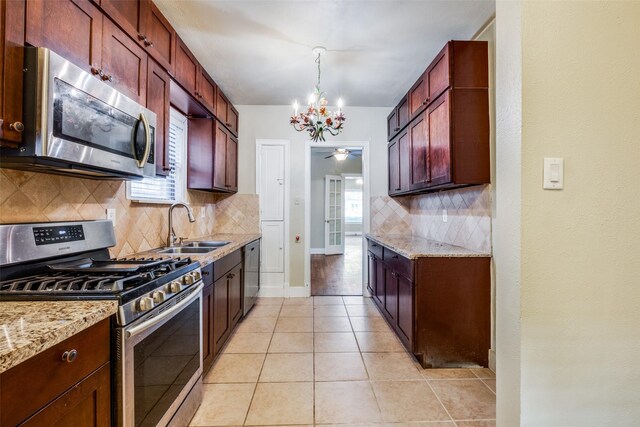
333	215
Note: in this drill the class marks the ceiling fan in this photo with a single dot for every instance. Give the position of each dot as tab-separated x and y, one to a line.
342	153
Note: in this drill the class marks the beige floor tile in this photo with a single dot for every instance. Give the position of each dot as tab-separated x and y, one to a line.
357	300
346	402
298	301
423	424
332	324
369	324
339	367
327	300
257	324
235	368
223	405
483	423
391	366
329	311
484	373
249	342
287	367
286	342
334	342
281	403
294	324
378	342
270	301
405	401
447	374
491	383
363	311
466	399
264	310
297	311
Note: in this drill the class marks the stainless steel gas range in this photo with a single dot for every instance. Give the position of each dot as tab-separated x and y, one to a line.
157	333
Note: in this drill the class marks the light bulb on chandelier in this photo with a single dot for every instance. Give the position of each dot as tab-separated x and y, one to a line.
318	119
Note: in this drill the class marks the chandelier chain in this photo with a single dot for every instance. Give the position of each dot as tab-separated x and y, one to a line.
318	62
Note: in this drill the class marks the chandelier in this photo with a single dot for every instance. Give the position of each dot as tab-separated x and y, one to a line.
317	119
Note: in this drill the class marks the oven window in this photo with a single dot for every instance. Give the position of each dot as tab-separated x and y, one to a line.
164	362
79	117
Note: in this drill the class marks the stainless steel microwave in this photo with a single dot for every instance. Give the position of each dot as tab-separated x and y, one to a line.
75	124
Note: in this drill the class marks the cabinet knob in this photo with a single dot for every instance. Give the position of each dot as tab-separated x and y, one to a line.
148	43
228	125
96	71
142	37
70	355
426	101
106	77
17	127
396	129
398	189
395	257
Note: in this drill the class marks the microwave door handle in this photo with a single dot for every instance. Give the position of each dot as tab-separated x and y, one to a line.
147	139
132	332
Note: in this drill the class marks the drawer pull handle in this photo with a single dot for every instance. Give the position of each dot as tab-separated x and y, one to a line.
70	355
395	257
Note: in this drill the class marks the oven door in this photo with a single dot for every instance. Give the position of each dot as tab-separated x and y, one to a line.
160	361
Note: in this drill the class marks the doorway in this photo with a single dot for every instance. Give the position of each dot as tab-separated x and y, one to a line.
336	220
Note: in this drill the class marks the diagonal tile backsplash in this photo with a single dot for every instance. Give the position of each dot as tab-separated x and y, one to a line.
468	216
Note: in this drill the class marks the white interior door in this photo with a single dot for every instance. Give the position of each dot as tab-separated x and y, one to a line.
333	215
272	250
272	183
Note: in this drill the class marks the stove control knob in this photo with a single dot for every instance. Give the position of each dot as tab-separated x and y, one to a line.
145	304
188	279
158	297
197	275
174	287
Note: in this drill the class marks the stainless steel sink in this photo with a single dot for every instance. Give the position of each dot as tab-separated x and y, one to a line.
185	250
205	244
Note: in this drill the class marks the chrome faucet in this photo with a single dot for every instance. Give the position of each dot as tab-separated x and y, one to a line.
171	239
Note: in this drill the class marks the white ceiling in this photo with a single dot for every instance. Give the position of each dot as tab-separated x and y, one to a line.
259	52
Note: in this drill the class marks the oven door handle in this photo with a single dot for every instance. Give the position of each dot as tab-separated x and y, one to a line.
165	314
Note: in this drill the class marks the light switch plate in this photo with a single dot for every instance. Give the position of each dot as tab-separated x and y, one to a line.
111	214
445	216
553	173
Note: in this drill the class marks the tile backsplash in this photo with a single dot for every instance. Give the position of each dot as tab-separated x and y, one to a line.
31	197
468	216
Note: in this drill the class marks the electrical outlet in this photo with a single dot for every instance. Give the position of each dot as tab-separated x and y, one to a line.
445	217
203	213
111	214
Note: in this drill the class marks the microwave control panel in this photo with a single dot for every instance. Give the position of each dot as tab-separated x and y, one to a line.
58	234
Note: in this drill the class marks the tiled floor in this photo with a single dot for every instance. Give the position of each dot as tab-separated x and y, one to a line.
334	360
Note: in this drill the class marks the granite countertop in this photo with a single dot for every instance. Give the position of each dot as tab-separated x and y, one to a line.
236	242
29	327
414	247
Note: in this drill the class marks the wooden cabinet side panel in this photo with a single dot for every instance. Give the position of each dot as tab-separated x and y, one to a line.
200	154
470	136
12	27
470	64
453	311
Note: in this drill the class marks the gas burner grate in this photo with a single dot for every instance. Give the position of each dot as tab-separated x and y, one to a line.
107	283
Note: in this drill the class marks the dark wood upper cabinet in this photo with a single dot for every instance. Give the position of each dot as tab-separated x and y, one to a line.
232	164
399	163
124	62
232	119
159	101
220	157
206	92
12	28
419	151
398	118
222	107
157	35
200	154
127	13
418	96
439	140
186	68
71	28
394	166
392	124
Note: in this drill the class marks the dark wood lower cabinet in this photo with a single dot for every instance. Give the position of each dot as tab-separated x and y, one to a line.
439	307
207	326
221	328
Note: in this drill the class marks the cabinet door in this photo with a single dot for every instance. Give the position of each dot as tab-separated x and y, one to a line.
391	294
419	141
220	313
371	271
88	403
200	154
232	120
418	96
403	112
128	15
158	101
438	73
392	124
439	124
158	36
124	62
405	161
220	157
207	327
186	69
235	294
394	167
222	107
206	90
405	311
70	28
381	280
232	164
12	22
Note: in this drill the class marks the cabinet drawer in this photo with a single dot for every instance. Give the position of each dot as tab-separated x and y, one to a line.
45	376
223	265
398	263
375	248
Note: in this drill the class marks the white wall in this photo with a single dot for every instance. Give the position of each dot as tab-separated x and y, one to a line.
568	87
272	122
320	167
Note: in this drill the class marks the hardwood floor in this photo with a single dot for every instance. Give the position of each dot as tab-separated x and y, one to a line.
338	274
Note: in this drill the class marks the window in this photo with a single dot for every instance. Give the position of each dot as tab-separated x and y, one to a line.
170	189
353	200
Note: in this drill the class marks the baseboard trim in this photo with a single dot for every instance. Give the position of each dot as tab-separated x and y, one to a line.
316	251
271	292
299	292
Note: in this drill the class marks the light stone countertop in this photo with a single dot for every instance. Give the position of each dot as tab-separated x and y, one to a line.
237	241
413	247
29	327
